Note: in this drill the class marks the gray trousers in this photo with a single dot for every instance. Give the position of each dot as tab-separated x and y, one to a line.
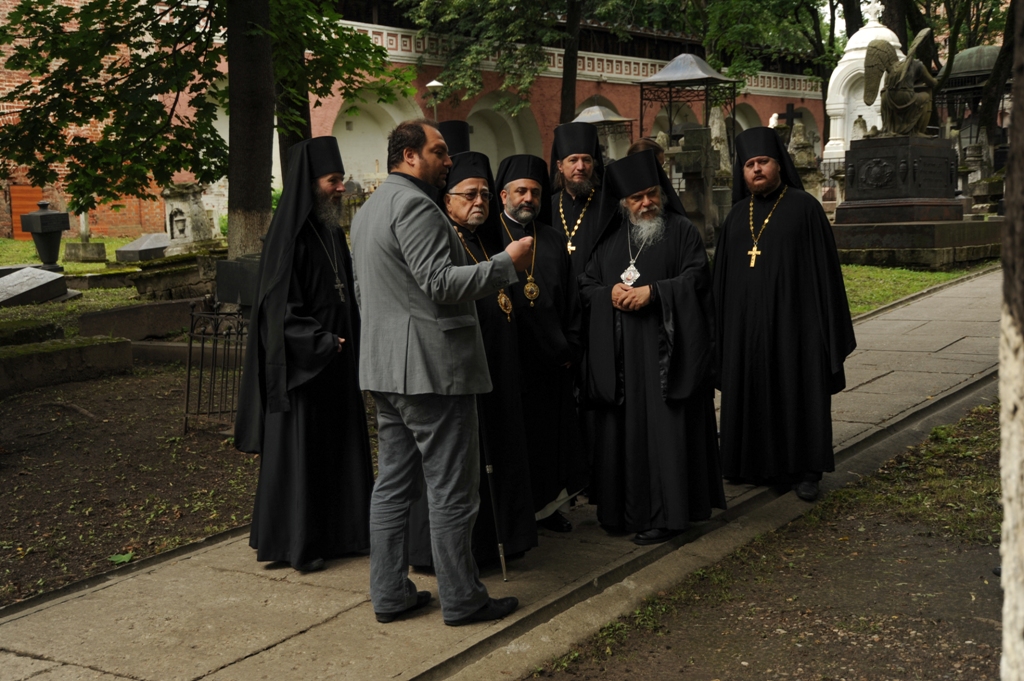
433	438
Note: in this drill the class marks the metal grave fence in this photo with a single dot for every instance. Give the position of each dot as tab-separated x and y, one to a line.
216	347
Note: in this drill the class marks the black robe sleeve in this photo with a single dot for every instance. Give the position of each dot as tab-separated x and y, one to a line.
835	307
685	346
600	374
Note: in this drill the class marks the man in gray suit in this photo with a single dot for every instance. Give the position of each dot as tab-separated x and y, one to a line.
423	360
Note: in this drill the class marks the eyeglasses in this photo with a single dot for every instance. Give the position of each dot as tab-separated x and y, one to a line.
472	196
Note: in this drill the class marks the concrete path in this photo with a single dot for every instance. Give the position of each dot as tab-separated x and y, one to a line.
214	613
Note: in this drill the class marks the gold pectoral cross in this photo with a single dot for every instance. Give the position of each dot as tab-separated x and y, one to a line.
570	248
753	255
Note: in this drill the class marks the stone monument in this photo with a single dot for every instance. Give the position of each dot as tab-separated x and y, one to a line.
187	226
801	150
83	250
900	206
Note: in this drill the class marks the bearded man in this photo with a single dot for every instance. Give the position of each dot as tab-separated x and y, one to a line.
784	327
546	303
648	312
506	504
579	209
299	403
424	364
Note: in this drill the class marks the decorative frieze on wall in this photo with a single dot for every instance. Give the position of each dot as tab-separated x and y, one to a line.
782	85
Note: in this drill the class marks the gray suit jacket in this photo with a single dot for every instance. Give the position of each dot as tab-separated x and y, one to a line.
420	333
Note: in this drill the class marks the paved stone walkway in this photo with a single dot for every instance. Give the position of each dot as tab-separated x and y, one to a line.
216	614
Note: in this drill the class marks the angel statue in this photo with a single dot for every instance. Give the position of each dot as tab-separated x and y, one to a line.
907	95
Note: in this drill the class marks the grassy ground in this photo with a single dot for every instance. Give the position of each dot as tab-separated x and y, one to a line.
67	314
14	252
868	288
886	578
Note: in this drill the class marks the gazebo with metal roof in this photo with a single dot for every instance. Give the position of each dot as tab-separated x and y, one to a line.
962	92
688	79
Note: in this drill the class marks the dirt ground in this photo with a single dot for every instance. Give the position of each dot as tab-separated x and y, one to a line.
97	473
891	579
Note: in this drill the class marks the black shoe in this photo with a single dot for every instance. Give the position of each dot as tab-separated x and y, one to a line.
422	598
997	571
556	522
655	536
315	565
493	609
807	490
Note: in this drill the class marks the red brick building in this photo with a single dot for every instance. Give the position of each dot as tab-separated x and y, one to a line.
608	72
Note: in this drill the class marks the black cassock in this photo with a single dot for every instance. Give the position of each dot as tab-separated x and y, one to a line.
502	444
549	338
595	215
649	382
316	475
784	330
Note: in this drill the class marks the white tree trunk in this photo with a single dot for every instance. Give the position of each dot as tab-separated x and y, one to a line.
1011	421
1011	377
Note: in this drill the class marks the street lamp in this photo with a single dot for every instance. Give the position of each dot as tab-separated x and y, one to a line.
434	86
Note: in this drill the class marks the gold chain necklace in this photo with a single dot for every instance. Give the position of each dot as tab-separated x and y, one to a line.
754	252
565	225
503	300
530	288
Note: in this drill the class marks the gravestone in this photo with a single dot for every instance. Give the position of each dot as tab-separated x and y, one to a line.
187	225
31	285
146	247
900	179
806	161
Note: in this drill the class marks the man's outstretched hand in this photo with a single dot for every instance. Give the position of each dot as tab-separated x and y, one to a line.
519	251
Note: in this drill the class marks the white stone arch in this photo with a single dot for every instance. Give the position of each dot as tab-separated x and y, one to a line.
499	135
682	115
745	117
362	129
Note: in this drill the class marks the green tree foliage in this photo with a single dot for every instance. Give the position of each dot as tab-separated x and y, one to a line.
123	94
137	73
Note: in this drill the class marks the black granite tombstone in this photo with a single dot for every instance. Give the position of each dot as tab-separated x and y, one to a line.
900	179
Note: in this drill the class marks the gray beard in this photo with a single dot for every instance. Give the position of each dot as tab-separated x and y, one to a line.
646	231
327	212
581	188
524	214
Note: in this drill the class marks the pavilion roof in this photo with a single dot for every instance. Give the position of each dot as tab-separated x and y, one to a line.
687	70
598	115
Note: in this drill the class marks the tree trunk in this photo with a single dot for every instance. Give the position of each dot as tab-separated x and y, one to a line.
1011	382
992	92
894	16
853	17
573	16
250	125
289	107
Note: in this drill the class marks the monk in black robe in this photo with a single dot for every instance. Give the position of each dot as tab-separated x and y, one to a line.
579	207
649	318
784	327
299	402
547	310
506	503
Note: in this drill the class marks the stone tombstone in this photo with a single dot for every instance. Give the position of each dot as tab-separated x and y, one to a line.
801	149
186	222
900	179
860	128
720	140
31	285
146	247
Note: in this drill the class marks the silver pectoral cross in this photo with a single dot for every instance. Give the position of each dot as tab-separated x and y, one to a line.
340	287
